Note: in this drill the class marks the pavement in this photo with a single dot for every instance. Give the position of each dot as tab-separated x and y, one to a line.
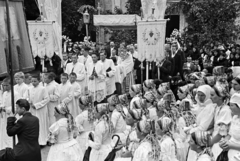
44	152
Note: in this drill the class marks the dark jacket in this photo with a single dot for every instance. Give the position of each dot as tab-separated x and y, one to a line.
27	131
165	70
178	63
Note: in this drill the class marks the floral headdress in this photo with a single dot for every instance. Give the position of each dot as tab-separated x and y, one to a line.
88	102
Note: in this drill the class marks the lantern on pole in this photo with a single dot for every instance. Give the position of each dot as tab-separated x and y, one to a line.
86	20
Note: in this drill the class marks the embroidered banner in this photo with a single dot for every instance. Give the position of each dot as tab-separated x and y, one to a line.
41	38
151	40
159	8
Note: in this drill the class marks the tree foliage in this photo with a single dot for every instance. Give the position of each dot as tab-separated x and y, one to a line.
209	20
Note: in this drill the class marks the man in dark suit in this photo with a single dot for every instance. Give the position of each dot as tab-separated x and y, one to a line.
178	59
27	130
109	49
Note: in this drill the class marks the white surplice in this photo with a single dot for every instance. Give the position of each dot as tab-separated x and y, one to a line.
79	69
86	61
54	95
5	140
21	89
38	96
66	93
110	69
97	87
74	104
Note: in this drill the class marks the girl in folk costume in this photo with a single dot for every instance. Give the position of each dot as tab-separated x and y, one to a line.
5	112
135	92
232	144
223	114
164	91
126	60
96	79
167	142
184	94
151	105
117	119
102	134
123	99
84	121
148	149
200	143
65	147
141	104
38	98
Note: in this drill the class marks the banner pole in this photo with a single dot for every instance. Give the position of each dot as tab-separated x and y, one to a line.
10	60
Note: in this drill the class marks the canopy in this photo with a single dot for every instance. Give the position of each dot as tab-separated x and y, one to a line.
117	21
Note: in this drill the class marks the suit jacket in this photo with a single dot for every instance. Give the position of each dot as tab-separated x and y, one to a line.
27	131
165	71
178	63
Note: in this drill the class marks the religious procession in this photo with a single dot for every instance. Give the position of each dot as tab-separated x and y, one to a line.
171	93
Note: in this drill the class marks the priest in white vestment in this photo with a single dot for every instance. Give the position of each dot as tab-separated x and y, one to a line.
86	60
79	69
96	79
110	69
53	94
5	112
20	87
38	98
76	92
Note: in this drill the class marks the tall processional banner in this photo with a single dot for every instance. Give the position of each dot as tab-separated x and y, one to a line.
159	8
151	40
41	38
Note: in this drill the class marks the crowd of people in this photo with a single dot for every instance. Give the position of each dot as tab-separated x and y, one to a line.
103	103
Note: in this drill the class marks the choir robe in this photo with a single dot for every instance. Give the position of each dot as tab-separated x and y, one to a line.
110	69
97	86
21	89
79	69
38	96
86	61
66	94
76	93
5	140
54	95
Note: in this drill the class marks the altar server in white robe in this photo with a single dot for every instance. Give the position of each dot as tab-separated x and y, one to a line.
65	90
76	92
96	79
86	60
77	68
5	112
38	98
54	95
28	80
20	87
110	69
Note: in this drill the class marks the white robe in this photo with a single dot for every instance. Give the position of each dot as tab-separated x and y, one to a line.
21	89
77	92
84	128
66	93
86	61
38	96
110	79
97	87
5	140
54	95
79	69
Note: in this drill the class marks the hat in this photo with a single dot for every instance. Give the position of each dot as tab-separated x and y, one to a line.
145	126
85	100
103	107
62	109
163	88
123	99
165	123
149	83
136	88
113	100
136	114
163	105
139	103
149	96
222	89
235	99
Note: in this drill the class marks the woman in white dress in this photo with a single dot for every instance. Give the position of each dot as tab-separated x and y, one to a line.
167	142
223	113
101	146
233	144
149	148
64	147
200	143
84	121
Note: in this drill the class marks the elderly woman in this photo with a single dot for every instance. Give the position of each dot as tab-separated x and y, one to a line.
223	114
102	134
200	143
233	144
84	121
149	149
64	147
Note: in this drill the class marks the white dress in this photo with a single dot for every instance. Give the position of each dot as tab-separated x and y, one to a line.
84	128
38	96
142	152
66	148
168	149
21	89
74	104
101	145
222	115
235	137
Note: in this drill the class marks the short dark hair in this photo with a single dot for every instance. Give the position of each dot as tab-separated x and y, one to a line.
36	77
73	74
23	103
27	75
64	75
